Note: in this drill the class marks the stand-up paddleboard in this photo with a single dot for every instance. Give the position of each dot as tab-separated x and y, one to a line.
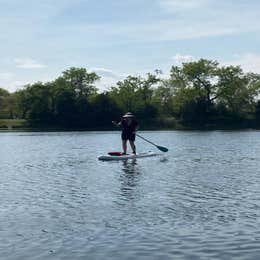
117	156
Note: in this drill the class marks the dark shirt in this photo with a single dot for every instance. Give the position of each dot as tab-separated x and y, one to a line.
129	127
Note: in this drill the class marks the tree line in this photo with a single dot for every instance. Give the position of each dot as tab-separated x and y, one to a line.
198	94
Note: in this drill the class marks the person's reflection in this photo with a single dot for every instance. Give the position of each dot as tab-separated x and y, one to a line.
129	180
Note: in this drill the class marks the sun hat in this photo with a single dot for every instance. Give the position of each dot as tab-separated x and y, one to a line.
128	114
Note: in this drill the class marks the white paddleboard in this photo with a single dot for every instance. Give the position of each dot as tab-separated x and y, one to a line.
126	156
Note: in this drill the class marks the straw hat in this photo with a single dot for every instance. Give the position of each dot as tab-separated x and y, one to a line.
128	114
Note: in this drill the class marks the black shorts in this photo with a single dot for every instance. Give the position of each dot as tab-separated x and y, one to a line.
128	136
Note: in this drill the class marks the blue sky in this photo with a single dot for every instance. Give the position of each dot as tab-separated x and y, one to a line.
40	39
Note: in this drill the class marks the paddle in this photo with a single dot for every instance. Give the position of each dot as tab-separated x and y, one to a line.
161	148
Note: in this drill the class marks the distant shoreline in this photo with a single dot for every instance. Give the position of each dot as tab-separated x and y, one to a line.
44	129
21	125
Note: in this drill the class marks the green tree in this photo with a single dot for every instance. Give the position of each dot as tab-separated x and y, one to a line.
202	90
4	92
3	96
35	103
125	93
163	98
104	110
194	90
81	81
198	75
136	94
63	102
237	91
9	106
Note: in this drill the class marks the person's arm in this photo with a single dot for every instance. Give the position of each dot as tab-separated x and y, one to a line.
116	124
136	127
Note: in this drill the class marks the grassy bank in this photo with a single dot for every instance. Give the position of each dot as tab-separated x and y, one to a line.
148	124
12	124
166	123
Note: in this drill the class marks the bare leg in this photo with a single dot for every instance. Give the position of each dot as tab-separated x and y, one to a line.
133	146
124	146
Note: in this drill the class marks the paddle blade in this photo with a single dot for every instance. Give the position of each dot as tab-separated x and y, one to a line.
161	148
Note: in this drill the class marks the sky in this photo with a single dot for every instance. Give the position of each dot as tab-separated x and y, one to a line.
115	38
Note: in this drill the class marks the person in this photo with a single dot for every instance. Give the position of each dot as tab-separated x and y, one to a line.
129	126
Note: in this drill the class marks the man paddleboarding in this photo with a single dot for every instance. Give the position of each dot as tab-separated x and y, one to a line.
129	126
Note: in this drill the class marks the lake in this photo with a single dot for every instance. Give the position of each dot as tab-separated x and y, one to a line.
201	200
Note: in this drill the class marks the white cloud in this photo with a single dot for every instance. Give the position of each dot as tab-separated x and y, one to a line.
108	79
5	76
36	10
180	5
27	63
188	25
249	62
105	83
106	73
212	19
9	82
178	59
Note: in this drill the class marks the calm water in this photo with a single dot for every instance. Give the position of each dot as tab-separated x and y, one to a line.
200	201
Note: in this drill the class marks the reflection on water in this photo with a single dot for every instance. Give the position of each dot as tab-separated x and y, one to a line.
130	166
129	179
200	201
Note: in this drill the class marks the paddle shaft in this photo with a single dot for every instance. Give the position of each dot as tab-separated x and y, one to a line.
161	148
146	140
